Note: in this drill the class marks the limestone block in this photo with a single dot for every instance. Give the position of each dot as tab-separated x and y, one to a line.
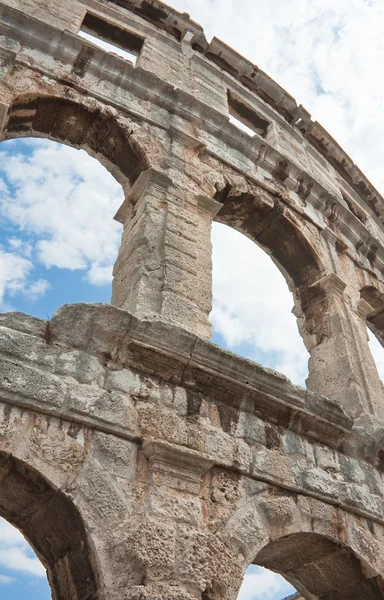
272	465
354	495
351	469
281	514
161	423
327	459
365	545
250	428
124	380
20	383
24	323
373	479
101	500
117	456
94	327
81	366
293	443
216	444
321	482
103	407
242	456
180	400
14	431
26	347
226	488
151	545
193	566
59	449
179	507
246	534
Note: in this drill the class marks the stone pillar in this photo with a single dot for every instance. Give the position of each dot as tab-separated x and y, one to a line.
164	266
341	365
168	544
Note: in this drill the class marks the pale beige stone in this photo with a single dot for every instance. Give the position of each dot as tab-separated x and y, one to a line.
141	461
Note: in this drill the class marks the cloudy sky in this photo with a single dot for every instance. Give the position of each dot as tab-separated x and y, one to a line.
58	241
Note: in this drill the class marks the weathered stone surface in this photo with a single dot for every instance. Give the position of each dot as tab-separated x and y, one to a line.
124	443
140	460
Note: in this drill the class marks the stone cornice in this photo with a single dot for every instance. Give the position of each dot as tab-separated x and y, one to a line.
181	358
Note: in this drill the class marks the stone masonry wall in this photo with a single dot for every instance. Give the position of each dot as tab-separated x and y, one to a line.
154	433
140	460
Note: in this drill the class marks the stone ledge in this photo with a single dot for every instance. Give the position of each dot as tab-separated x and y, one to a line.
174	355
180	358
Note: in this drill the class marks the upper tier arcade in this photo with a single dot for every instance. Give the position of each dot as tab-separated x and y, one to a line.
161	124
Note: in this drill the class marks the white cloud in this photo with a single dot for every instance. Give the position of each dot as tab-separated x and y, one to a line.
99	275
20	246
14	273
261	584
4	580
37	289
65	200
15	552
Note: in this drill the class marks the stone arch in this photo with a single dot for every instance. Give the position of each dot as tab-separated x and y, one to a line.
293	244
264	218
70	119
304	539
320	568
119	142
53	526
333	336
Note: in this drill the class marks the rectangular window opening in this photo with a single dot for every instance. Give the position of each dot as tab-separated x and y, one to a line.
245	117
111	38
354	208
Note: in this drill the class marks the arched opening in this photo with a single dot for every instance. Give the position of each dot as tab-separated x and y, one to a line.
92	127
377	352
321	569
266	220
372	305
252	305
57	203
21	573
81	123
263	584
58	237
292	264
52	525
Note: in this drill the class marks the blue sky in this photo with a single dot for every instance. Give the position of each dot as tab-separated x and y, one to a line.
58	241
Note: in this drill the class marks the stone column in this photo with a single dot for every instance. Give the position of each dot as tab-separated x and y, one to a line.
341	365
164	266
168	543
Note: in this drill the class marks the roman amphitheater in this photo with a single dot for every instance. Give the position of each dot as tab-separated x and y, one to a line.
141	461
